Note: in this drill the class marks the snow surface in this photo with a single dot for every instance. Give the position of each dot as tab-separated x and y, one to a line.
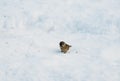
30	32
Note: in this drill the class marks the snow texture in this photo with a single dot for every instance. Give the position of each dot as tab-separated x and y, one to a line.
30	32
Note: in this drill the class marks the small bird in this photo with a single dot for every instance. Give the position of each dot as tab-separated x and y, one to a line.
64	47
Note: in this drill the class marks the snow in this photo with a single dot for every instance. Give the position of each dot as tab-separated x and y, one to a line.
30	32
